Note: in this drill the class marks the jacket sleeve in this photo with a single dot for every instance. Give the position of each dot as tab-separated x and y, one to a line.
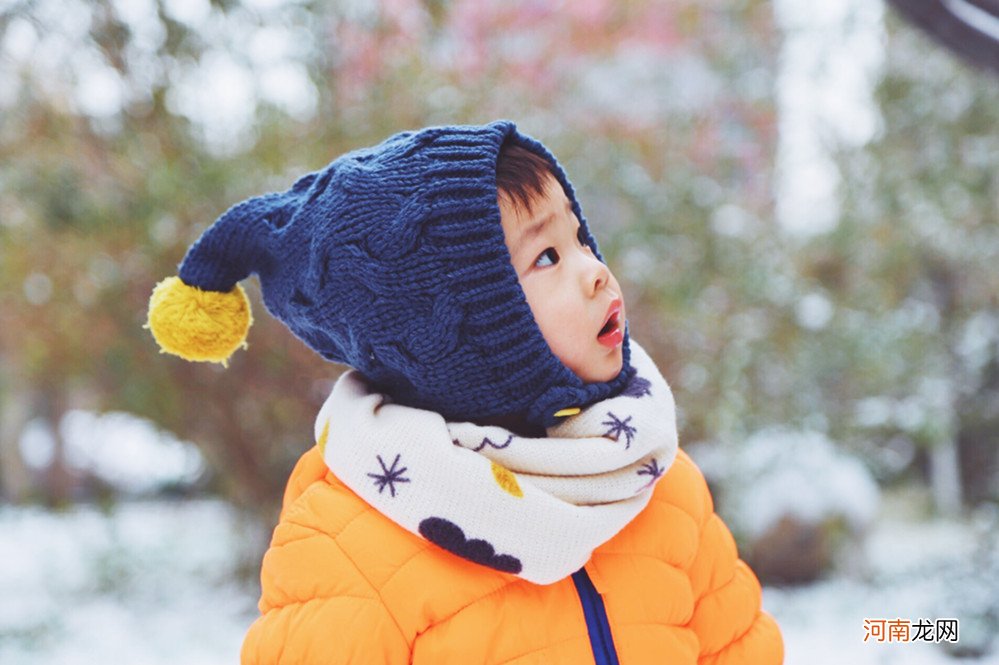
728	619
317	607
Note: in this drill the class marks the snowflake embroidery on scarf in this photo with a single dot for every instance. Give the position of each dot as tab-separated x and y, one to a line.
637	387
617	427
389	476
653	470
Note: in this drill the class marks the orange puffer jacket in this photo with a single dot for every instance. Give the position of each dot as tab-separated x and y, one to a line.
344	584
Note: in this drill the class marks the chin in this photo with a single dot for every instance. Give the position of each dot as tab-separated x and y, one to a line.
602	374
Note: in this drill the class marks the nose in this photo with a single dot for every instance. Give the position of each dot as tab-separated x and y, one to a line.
594	275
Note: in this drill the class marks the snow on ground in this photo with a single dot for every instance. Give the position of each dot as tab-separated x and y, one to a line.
147	583
909	568
152	582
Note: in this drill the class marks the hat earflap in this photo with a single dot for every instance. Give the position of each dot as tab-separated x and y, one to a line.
206	326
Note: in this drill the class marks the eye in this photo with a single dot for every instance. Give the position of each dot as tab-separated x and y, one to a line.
549	257
581	237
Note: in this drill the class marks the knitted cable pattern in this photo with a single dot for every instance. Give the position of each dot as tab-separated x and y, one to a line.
392	260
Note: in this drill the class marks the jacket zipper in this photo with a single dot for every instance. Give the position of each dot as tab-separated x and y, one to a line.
595	614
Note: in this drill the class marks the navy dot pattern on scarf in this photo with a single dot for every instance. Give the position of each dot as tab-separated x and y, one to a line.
449	536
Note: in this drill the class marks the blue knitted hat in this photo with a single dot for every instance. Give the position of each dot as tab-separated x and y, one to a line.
392	260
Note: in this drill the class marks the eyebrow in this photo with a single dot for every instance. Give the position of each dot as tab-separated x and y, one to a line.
531	232
535	229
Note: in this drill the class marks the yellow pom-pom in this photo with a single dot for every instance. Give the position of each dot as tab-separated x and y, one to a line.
198	325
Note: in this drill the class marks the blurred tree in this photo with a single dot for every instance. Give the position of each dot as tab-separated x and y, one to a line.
911	272
97	205
967	27
880	333
129	126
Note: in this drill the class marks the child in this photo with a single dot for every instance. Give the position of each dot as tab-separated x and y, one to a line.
497	480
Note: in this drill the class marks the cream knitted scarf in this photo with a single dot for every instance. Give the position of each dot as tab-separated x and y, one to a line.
534	507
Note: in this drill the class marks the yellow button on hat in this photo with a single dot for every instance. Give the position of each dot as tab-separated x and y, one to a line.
571	411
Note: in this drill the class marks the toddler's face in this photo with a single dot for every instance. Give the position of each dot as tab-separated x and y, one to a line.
575	299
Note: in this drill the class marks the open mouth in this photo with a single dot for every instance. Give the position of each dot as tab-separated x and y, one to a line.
611	334
609	326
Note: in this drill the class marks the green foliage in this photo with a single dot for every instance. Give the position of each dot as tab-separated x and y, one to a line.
663	114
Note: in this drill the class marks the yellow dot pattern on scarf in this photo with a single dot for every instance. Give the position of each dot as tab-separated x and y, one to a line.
322	439
507	481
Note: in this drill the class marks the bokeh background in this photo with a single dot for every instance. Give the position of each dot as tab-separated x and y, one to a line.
801	201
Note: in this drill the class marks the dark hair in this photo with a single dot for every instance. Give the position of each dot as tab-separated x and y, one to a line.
521	175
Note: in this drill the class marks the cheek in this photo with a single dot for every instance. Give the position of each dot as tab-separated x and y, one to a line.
545	307
553	316
557	319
